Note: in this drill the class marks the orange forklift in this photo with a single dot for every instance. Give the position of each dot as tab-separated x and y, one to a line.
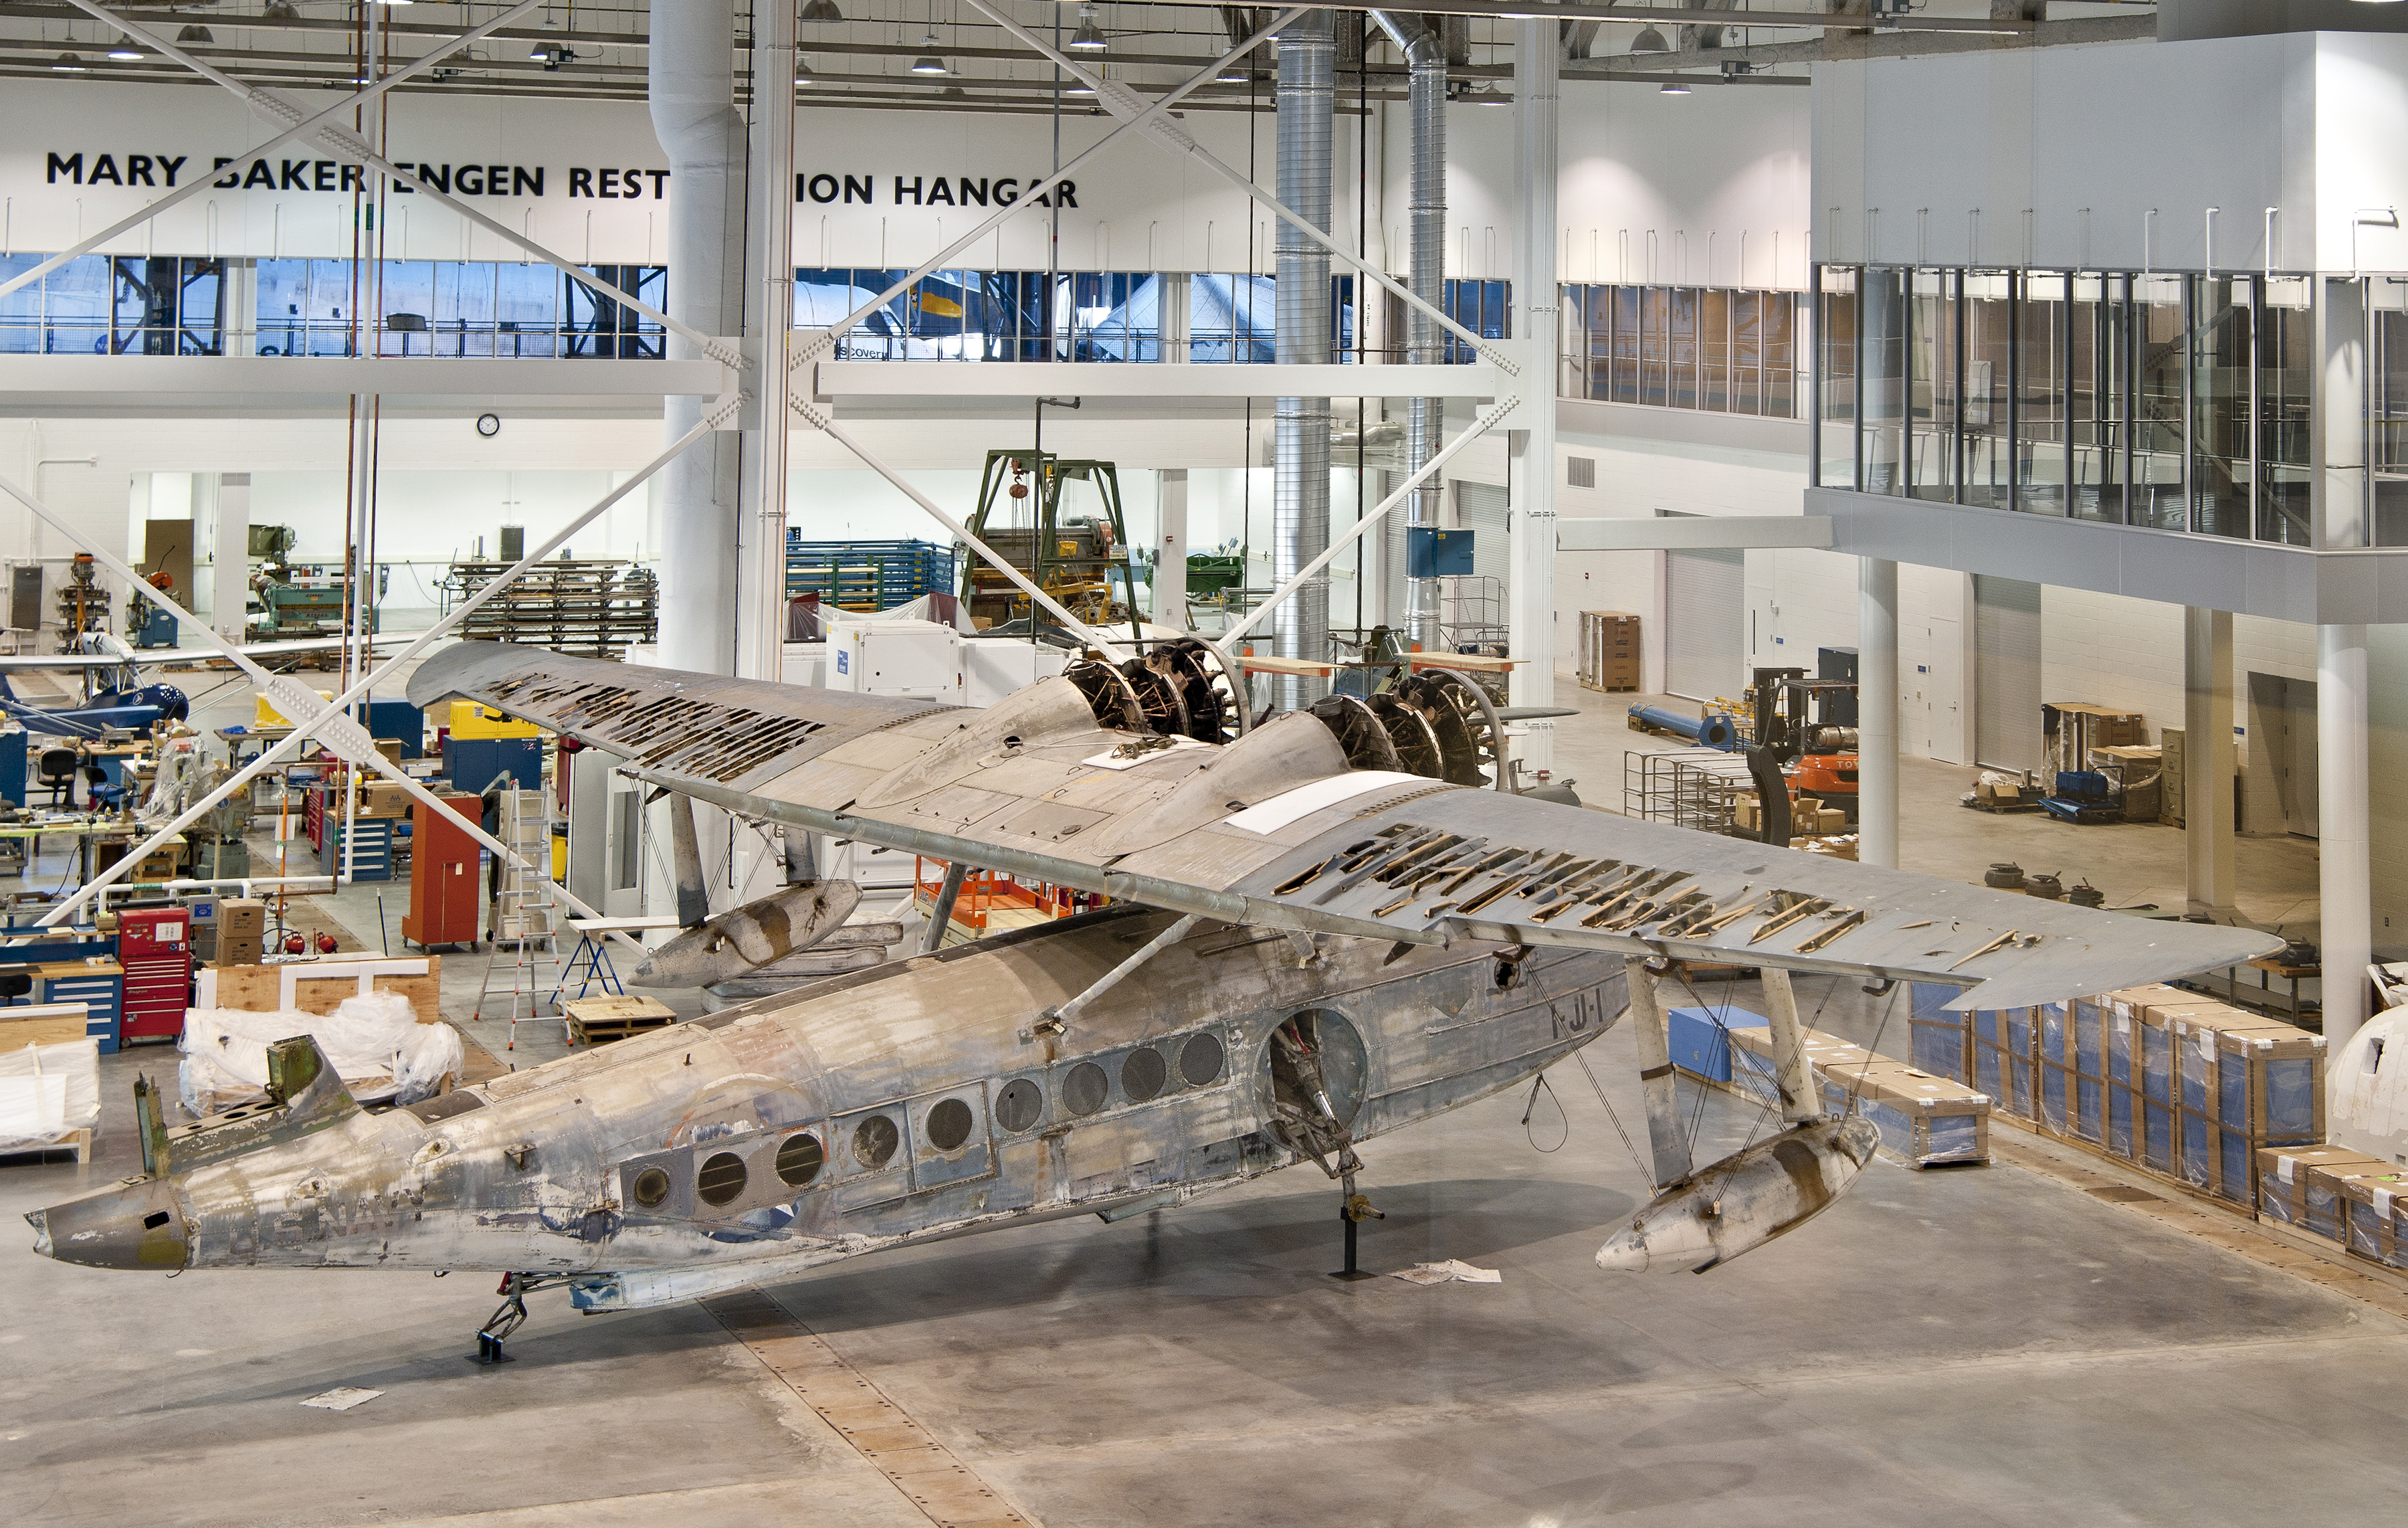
1794	737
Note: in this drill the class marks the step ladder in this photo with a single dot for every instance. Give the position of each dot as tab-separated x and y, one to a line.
525	912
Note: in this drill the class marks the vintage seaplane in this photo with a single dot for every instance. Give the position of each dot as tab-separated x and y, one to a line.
1324	926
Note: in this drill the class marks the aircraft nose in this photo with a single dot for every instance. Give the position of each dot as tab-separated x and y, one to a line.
134	1225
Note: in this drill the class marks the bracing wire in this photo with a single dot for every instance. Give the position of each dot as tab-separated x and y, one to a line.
1537	1082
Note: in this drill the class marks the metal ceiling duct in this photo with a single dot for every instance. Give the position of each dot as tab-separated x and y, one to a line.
1308	59
692	75
1424	418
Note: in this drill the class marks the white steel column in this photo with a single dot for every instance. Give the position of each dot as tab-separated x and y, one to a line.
1170	552
761	555
1531	614
1877	711
2343	836
2207	759
691	84
229	556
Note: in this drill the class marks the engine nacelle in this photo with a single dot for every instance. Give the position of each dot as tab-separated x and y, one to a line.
1743	1201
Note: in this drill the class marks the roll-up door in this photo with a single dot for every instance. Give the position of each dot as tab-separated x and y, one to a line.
1705	614
2006	673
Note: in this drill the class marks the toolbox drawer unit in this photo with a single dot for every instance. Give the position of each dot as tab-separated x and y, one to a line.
154	944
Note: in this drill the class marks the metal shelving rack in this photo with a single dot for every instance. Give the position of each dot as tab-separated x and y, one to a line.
591	606
1688	788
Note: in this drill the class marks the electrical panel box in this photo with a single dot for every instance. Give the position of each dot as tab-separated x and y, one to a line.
1432	553
913	660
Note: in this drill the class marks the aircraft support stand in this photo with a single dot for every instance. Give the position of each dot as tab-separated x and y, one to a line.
1353	1210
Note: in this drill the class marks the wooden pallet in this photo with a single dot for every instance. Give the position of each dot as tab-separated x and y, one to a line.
597	1021
1611	689
76	1141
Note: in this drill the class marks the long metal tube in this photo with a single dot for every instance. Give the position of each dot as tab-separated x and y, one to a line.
1424	418
1308	62
691	76
761	623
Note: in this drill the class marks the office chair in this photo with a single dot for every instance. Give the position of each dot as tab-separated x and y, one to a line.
14	985
97	791
58	772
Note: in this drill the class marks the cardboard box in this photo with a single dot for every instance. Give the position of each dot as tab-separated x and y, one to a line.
1928	1122
242	923
2374	1209
2300	1185
1829	822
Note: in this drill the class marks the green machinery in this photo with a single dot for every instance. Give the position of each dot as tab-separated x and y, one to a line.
1080	560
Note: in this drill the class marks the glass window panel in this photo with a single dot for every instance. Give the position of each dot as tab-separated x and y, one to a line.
1989	373
1715	351
1933	402
1835	323
20	311
2098	356
2389	446
1882	300
526	308
1627	326
1782	312
409	292
2040	393
2160	351
1602	302
2219	405
2283	366
1655	346
76	307
1747	350
1683	373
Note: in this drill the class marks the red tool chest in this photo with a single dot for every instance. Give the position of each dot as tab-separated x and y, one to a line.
154	944
445	888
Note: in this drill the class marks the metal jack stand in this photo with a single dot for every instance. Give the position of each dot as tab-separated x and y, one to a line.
1353	1212
507	1318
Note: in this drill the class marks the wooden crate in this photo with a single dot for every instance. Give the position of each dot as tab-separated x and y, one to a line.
41	1023
76	1141
2300	1185
1608	651
1925	1120
2374	1208
319	986
2243	1082
597	1021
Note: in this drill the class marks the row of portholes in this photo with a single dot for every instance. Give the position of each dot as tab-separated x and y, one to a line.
1086	1088
1018	1107
724	1174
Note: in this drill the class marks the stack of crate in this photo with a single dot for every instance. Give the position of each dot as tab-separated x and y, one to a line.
1608	651
1924	1120
2165	1080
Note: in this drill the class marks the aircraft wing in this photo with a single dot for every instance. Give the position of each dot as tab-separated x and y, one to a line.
1279	829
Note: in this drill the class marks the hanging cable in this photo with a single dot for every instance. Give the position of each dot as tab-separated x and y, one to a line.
1528	1109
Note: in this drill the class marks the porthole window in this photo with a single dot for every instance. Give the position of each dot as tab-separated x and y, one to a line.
799	1160
1019	1104
1084	1089
650	1186
948	1125
874	1141
1200	1059
1143	1074
722	1179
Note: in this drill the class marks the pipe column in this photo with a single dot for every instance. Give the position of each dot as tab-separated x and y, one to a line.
1530	533
1877	711
2207	761
2343	832
1424	418
761	561
691	78
1308	57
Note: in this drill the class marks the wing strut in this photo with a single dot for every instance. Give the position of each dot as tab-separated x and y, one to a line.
1664	1138
1057	1020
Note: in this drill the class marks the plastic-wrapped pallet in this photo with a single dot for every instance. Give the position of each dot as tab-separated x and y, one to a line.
2300	1185
1939	1041
1754	1067
2375	1209
47	1091
2244	1082
1928	1122
374	1042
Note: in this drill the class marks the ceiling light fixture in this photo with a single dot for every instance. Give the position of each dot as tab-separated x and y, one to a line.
1089	36
1650	41
280	11
822	10
70	63
929	62
195	33
126	52
1676	88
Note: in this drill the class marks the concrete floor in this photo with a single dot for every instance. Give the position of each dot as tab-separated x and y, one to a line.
1977	1345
